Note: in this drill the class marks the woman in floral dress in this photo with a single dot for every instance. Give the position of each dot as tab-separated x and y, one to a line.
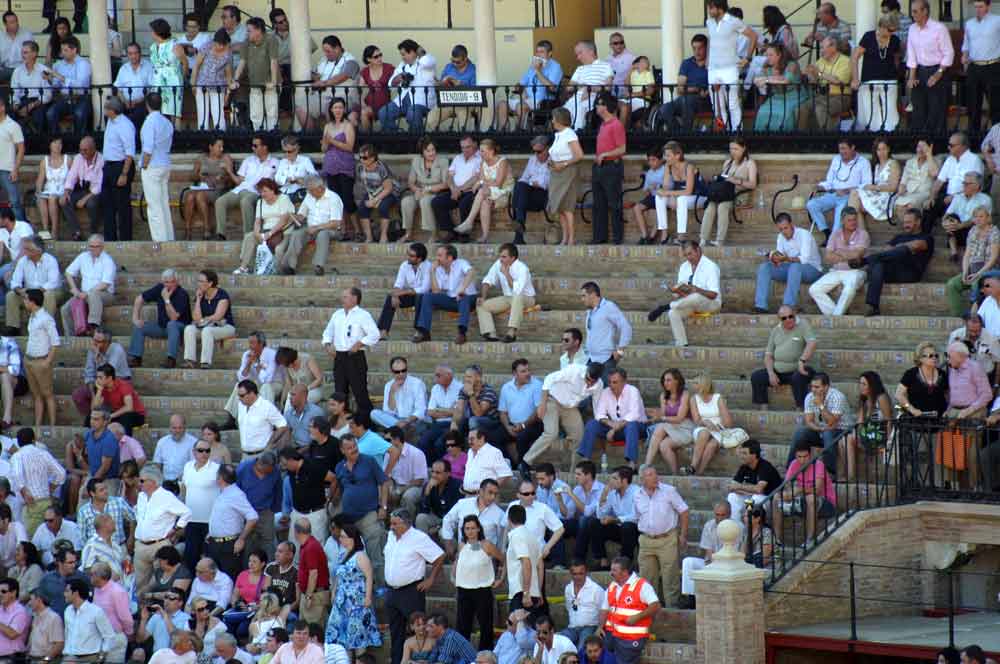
169	64
352	622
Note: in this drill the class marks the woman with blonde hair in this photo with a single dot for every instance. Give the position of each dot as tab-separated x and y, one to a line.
564	155
711	416
496	183
918	177
675	428
923	389
683	189
267	617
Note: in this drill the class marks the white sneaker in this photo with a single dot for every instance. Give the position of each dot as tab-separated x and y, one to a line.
241	270
464	227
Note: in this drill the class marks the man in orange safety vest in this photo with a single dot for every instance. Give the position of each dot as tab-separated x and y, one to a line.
627	612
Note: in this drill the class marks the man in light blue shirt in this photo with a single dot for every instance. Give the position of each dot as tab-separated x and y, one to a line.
608	331
537	86
72	77
157	136
519	399
372	444
404	399
459	72
300	413
517	641
586	497
616	519
119	171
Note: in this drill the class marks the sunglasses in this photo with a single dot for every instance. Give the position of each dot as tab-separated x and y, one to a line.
617	43
792	317
930	355
172	598
202	450
399	371
527	493
376	56
199	609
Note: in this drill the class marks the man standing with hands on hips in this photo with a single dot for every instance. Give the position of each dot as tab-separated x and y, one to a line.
349	331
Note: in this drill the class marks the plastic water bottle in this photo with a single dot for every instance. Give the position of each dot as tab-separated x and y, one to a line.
761	204
604	463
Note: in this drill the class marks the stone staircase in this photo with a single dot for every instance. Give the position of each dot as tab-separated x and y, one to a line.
293	310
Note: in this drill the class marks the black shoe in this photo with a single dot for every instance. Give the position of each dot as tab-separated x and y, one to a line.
686	603
48	29
855	264
220	237
657	312
760	310
318	270
286	271
519	238
872	311
9	331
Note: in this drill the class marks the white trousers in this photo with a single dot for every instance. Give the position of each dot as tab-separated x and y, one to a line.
877	110
578	106
685	307
210	108
688	565
155	181
849	281
726	100
209	335
737	502
263	109
681	205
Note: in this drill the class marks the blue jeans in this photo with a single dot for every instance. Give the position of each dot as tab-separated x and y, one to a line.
819	205
794	274
384	206
4	271
631	434
825	439
172	334
578	634
13	195
415	113
431	301
80	108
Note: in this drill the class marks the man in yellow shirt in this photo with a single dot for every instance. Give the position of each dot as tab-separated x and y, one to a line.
831	76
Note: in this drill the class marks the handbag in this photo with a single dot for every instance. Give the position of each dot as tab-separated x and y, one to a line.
263	261
734	437
78	310
952	447
721	190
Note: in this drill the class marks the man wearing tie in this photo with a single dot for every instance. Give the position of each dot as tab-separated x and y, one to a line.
350	330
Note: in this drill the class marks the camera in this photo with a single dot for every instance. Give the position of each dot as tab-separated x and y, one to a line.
154	604
405	79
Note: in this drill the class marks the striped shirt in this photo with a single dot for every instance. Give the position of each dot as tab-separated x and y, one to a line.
117	508
36	470
97	550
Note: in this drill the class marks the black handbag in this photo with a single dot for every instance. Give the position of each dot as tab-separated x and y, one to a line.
721	190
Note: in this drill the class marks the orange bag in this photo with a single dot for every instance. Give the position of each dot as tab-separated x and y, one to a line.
952	448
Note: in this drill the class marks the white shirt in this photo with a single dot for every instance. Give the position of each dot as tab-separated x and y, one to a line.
44	274
421	88
252	170
172	454
560	645
463	170
44	538
444	399
261	371
88	630
560	150
953	171
158	514
539	517
519	272
257	424
16	533
568	386
982	38
583	607
406	557
42	334
990	313
346	328
705	276
488	462
451	281
318	211
492	519
592	76
851	175
31	84
93	272
220	589
801	246
132	82
12	239
10	136
200	489
411	398
199	40
723	36
521	543
298	170
416	279
10	47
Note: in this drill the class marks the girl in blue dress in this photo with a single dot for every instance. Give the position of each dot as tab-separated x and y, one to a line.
352	621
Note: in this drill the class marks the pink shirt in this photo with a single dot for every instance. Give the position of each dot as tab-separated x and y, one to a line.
313	654
658	513
412	465
628	407
81	171
621	64
249	591
458	465
929	46
16	617
113	600
130	448
859	238
968	386
817	472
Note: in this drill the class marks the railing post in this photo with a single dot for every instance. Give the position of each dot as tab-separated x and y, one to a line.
854	607
951	610
538	22
449	15
368	14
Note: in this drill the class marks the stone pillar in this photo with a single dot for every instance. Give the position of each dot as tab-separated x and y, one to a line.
671	39
100	58
484	26
730	594
865	18
298	23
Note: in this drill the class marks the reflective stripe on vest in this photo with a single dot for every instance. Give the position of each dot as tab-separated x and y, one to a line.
627	602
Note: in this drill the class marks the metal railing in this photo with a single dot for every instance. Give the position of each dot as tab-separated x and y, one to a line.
875	464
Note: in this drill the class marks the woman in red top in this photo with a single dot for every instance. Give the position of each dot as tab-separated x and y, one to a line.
119	398
376	75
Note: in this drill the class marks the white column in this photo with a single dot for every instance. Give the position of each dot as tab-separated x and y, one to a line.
671	39
100	58
484	25
865	18
298	22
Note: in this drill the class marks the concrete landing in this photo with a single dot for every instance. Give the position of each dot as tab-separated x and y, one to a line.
979	628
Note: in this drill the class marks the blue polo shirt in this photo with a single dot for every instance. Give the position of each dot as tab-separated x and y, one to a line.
359	487
104	445
520	402
374	446
697	77
465	78
264	493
